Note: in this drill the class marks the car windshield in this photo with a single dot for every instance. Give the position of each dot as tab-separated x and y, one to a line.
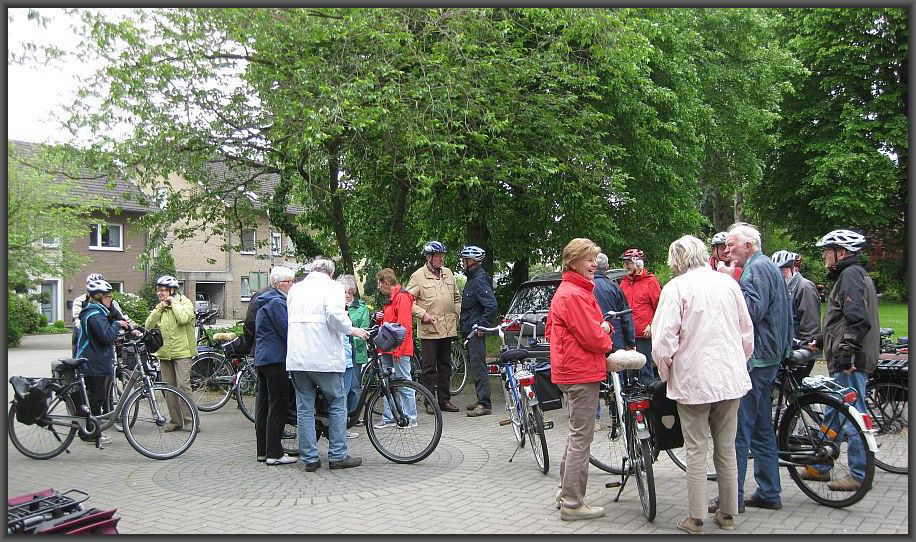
533	298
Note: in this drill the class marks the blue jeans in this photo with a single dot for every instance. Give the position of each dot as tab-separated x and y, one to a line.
647	373
408	397
353	386
755	430
332	387
856	448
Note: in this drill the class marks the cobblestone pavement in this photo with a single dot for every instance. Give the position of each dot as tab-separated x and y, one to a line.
466	487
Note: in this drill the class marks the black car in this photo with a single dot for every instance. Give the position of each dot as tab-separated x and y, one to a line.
532	301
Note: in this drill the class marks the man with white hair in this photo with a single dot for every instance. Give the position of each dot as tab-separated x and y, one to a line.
272	401
642	290
770	308
315	358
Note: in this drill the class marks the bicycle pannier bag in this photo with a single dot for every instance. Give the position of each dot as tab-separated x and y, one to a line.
390	336
549	395
31	398
153	340
664	418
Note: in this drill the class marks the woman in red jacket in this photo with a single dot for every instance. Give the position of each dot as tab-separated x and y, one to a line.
397	310
579	340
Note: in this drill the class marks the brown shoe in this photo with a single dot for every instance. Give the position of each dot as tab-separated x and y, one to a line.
169	427
724	521
472	406
845	484
448	407
429	409
479	410
810	473
691	525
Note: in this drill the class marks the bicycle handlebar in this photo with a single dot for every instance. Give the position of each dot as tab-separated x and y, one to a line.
610	315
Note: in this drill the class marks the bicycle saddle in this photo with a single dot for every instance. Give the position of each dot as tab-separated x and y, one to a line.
886	331
516	354
72	362
625	359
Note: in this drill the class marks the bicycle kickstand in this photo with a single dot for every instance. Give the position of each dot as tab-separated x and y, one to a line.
517	448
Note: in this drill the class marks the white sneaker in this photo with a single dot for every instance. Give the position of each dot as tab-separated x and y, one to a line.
104	439
384	425
283	460
351	435
411	425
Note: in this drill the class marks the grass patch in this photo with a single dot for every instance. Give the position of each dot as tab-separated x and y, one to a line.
52	330
895	315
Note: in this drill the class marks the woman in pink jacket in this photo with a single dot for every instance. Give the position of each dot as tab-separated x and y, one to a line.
701	341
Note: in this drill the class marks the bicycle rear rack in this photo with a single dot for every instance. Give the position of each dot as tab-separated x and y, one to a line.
42	506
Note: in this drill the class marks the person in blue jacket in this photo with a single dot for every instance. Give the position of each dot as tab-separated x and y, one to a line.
478	306
98	330
272	402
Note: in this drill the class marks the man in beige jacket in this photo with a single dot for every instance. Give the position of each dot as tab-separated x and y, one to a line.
437	305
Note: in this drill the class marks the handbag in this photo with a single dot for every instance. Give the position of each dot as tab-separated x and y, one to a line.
152	339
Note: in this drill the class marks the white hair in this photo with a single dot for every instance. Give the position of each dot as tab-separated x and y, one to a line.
324	265
687	253
349	282
601	261
745	233
280	272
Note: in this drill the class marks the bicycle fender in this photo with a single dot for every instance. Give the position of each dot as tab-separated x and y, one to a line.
869	433
532	397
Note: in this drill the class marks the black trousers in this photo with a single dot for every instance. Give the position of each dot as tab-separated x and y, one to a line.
271	408
437	366
97	390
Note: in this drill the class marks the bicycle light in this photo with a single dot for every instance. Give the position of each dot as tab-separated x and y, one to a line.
525	379
515	327
866	418
850	397
642	404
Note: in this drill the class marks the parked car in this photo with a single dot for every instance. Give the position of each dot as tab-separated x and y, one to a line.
201	302
532	300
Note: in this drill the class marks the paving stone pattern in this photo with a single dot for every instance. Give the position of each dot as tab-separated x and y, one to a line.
467	486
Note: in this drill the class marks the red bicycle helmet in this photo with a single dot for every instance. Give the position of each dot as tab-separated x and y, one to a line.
632	254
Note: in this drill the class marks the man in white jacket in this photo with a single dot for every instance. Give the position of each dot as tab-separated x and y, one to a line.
315	357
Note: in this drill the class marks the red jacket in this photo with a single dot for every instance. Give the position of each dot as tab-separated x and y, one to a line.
714	263
398	309
578	345
642	293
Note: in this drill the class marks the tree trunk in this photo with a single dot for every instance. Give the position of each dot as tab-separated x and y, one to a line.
477	233
338	222
520	271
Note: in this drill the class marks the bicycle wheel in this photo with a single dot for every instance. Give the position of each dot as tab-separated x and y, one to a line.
609	447
679	457
808	436
641	458
42	441
535	428
145	415
408	444
514	417
115	396
459	360
212	377
887	404
246	391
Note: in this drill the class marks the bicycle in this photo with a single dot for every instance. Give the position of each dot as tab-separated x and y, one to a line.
54	406
886	400
403	441
222	373
459	366
808	415
629	449
516	371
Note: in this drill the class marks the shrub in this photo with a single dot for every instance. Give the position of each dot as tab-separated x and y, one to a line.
134	306
60	324
43	321
22	318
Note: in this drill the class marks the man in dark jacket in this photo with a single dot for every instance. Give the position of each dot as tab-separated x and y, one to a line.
850	340
249	334
97	332
610	298
272	401
478	306
806	305
770	308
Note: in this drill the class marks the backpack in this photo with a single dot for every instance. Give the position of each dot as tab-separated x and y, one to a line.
390	336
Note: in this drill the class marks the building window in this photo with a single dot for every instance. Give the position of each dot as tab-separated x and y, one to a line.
50	242
118	285
276	244
248	242
106	237
245	289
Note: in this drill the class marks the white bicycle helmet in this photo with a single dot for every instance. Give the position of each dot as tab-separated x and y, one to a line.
98	287
719	238
433	247
93	277
848	239
168	281
783	258
473	252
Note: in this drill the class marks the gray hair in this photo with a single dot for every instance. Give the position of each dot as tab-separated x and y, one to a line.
323	264
745	233
687	253
280	272
349	283
601	261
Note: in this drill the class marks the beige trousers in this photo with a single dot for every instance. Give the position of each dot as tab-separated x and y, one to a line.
581	403
699	423
177	372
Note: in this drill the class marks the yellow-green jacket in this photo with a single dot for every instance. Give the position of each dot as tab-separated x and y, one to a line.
177	326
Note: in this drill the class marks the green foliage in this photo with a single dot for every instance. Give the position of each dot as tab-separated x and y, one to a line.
52	330
22	318
136	307
60	324
161	263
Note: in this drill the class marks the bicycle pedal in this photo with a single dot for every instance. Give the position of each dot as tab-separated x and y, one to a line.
612	484
505	422
548	424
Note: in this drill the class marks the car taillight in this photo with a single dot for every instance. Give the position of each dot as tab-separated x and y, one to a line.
493	369
867	419
642	404
850	397
526	379
514	328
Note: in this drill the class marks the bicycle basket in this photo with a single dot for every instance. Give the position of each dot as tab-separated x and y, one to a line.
152	339
234	347
32	396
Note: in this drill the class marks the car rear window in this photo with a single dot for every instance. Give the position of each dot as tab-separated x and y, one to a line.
533	298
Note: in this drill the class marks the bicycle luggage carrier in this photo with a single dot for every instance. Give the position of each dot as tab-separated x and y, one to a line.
28	510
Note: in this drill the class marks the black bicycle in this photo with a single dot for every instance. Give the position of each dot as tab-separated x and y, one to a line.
887	400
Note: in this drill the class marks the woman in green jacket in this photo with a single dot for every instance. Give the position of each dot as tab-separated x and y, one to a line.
359	316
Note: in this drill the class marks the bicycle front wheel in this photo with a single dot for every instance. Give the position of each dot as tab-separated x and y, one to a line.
887	404
609	447
146	414
246	391
815	435
42	440
459	360
411	443
535	425
211	381
641	457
